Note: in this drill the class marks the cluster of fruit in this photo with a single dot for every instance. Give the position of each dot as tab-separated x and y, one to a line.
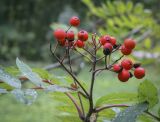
123	70
67	38
109	44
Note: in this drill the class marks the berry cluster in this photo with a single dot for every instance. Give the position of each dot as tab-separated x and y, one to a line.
123	70
109	45
67	38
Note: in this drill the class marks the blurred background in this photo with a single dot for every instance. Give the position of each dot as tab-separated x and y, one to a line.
26	27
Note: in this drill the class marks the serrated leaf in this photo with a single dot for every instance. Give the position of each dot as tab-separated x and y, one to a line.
56	88
27	72
148	92
10	80
116	98
130	114
3	91
26	96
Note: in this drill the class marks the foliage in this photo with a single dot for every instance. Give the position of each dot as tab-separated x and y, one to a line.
127	20
143	94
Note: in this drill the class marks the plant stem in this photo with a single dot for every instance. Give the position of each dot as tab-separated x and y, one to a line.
76	105
80	100
72	75
91	110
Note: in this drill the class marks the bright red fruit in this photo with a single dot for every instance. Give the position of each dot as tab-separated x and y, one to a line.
83	35
117	67
127	64
74	21
70	36
59	34
129	43
107	38
124	75
139	72
113	40
107	48
79	43
125	51
102	40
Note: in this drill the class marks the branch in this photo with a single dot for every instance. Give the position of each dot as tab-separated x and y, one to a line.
110	106
72	75
76	105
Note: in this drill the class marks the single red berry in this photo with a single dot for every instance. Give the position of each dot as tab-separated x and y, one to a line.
107	38
102	40
139	72
113	40
83	35
107	49
127	64
70	36
59	34
125	51
74	21
124	75
129	43
79	43
117	67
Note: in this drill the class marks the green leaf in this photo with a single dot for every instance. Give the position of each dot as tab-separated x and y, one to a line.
12	70
116	98
27	72
159	112
26	96
10	80
107	113
148	92
130	114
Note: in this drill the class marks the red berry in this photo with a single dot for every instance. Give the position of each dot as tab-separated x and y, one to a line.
74	21
79	43
59	34
127	64
129	43
107	38
113	40
117	67
125	51
70	36
83	35
124	75
107	48
139	72
102	40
